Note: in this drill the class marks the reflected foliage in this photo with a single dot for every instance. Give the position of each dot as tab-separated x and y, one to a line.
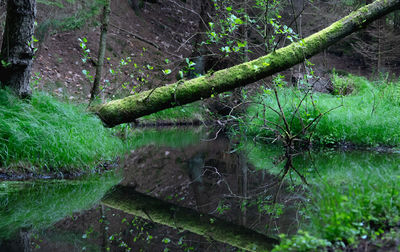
38	204
349	196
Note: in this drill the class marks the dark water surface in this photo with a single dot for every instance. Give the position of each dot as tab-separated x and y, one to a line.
178	190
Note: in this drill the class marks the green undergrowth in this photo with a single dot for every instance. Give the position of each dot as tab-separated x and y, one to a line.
38	204
350	197
46	135
367	116
354	196
343	211
184	113
364	209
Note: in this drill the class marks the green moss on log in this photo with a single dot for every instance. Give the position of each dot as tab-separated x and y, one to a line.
183	92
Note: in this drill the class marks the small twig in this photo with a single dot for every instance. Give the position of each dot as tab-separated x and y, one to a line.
192	11
238	105
282	113
214	138
136	36
303	179
278	126
298	106
280	37
315	119
373	105
187	40
148	96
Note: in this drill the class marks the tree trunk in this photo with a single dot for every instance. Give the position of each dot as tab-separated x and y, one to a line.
396	21
17	49
129	201
183	92
102	50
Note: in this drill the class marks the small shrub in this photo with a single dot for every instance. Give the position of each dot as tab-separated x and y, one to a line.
342	85
302	241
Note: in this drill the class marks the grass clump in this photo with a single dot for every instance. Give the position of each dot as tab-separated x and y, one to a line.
368	116
45	135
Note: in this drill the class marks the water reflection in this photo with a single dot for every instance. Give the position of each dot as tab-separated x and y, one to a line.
212	179
27	207
130	201
258	189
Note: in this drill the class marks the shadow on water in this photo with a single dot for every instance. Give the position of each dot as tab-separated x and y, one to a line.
180	192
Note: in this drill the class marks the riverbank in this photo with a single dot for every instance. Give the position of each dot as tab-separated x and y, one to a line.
47	138
359	113
44	135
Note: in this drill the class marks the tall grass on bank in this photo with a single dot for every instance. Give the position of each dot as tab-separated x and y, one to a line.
369	115
45	135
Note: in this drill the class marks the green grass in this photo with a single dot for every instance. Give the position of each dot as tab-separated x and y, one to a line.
369	115
45	135
185	113
354	195
363	209
39	204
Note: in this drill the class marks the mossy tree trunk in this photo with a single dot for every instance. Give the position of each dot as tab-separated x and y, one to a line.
17	48
182	92
129	201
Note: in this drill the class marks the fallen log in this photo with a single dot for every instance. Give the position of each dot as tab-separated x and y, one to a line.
182	92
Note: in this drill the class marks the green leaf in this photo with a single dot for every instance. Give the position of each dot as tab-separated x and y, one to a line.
166	71
166	240
240	44
238	21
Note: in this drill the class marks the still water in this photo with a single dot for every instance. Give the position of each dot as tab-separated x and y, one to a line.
177	190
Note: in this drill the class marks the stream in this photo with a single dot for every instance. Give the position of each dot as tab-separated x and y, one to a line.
179	189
